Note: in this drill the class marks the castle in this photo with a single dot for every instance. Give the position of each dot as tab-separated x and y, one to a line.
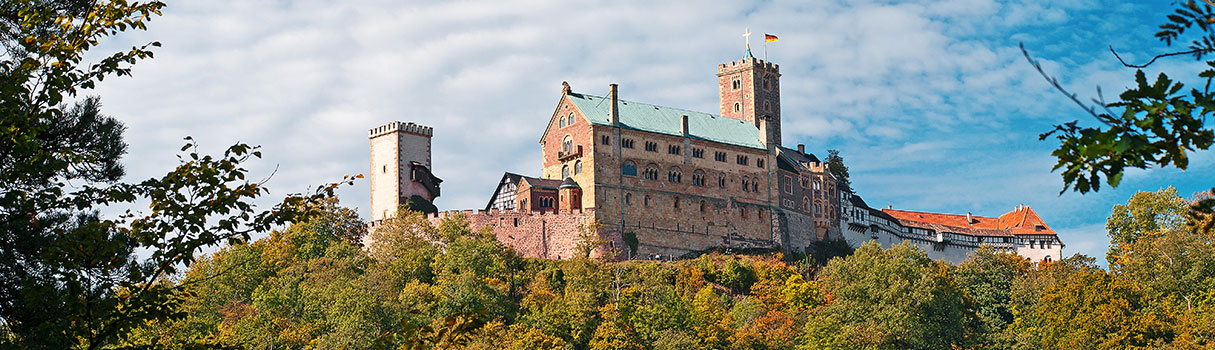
666	182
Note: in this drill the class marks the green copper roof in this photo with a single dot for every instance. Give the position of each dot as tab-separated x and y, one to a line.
666	120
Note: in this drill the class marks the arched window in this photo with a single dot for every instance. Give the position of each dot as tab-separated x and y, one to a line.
737	107
561	122
767	106
806	203
647	201
1047	259
675	176
629	168
755	186
571	122
567	144
817	185
628	198
676	202
702	206
698	178
577	167
565	171
742	211
737	84
818	208
651	172
721	181
746	185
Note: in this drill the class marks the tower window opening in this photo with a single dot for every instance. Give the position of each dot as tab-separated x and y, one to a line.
737	107
737	84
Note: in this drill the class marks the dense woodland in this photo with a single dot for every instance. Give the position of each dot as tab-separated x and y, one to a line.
72	278
418	286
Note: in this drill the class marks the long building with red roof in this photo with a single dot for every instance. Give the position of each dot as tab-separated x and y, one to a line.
950	237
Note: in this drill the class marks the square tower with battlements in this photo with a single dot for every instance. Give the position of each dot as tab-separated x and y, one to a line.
400	167
750	91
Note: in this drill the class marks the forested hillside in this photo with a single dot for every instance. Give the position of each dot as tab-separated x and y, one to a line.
418	286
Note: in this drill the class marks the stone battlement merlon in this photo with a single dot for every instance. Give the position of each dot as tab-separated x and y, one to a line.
748	63
399	126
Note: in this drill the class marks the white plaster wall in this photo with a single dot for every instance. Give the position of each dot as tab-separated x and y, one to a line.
385	176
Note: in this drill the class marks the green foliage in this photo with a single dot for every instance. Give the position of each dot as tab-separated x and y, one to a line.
630	238
835	164
987	277
896	298
1160	121
1091	309
825	250
71	277
1146	213
589	239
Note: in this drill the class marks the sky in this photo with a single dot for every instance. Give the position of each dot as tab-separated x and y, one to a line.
931	103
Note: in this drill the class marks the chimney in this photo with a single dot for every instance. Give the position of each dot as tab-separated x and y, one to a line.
890	207
801	148
684	125
969	219
613	109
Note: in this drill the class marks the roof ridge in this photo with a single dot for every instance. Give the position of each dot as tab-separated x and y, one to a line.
656	105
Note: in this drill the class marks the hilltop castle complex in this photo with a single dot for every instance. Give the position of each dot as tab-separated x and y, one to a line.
667	182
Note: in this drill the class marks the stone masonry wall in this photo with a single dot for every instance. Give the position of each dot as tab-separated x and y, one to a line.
546	235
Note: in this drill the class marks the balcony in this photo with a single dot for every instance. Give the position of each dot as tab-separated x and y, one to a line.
563	156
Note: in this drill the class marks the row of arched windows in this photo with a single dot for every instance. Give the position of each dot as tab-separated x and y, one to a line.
648	200
676	176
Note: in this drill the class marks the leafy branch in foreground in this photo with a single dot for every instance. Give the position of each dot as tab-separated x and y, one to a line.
1159	124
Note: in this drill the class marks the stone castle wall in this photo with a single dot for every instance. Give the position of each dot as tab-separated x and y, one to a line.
537	234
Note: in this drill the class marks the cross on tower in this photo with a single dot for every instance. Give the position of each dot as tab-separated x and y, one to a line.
747	36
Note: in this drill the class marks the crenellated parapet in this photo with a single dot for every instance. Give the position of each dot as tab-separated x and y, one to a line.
400	126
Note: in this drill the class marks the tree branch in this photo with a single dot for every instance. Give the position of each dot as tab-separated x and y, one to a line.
1191	52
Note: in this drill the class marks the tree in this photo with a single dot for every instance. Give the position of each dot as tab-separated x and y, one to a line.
69	277
987	277
1146	213
895	298
835	164
1169	262
1091	309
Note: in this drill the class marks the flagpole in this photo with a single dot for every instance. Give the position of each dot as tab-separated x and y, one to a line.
765	48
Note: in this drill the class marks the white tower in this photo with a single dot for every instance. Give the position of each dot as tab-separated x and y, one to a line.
397	151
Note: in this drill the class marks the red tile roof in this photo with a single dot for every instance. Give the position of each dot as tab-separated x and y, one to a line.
1021	221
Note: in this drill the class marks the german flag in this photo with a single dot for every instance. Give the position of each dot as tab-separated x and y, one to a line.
769	37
